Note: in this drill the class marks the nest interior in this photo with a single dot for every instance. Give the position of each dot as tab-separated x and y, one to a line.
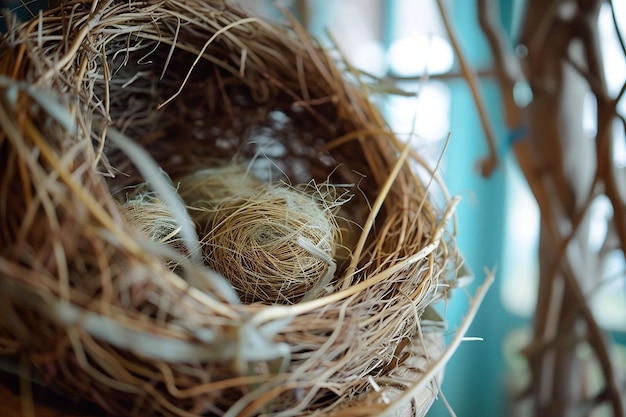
95	309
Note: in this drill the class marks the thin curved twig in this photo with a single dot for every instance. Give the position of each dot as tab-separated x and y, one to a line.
507	66
489	163
618	32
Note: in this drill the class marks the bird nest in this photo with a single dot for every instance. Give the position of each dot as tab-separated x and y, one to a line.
108	106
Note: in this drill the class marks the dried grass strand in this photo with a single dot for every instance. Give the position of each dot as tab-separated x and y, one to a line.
440	362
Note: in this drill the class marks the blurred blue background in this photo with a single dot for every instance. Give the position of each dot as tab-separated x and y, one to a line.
404	42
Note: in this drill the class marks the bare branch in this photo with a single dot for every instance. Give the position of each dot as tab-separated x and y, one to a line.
488	164
539	19
558	164
507	65
606	164
480	73
620	38
598	343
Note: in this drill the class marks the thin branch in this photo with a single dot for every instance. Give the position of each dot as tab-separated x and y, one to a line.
507	65
539	18
598	342
585	28
618	32
488	164
607	109
592	81
480	73
605	161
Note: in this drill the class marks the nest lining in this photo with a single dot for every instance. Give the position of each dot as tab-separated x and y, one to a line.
275	243
193	82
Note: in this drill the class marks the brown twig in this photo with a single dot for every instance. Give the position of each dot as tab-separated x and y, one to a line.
617	28
507	66
488	164
562	301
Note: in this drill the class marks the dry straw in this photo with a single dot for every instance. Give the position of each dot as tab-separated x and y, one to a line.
98	96
274	243
152	217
